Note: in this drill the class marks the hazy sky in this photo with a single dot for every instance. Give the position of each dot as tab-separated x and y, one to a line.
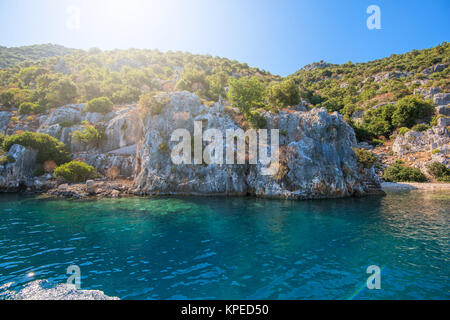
279	36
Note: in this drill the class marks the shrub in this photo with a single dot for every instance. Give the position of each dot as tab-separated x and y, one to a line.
366	158
61	92
439	171
26	108
257	120
67	124
376	142
409	109
91	135
403	130
435	151
6	159
153	103
245	94
100	105
420	127
163	147
283	94
39	108
399	172
75	171
48	147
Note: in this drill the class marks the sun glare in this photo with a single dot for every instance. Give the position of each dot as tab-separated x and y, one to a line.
122	11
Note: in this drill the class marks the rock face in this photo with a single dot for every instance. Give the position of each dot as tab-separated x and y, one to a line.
155	172
5	116
412	141
46	290
442	99
18	174
317	160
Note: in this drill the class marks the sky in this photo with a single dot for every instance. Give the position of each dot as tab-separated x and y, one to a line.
277	36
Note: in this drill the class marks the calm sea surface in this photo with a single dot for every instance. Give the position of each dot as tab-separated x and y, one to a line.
232	248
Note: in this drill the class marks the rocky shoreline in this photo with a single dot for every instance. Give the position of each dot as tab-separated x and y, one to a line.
315	153
46	290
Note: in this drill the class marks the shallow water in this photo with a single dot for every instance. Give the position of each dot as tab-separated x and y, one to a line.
232	248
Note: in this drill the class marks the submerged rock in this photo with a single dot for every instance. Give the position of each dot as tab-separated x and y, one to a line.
46	290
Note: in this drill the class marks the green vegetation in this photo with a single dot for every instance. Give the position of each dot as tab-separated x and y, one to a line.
48	147
4	160
26	107
75	171
10	57
283	94
67	124
153	103
100	105
366	158
439	171
163	147
257	120
398	172
246	94
420	127
90	135
409	109
435	151
403	130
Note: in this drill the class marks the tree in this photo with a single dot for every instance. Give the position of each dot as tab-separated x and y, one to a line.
75	171
283	94
101	105
61	92
246	94
409	109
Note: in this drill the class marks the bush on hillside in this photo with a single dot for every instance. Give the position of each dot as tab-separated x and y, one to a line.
26	108
75	171
439	171
283	94
366	158
409	109
403	130
398	172
100	105
153	103
420	127
257	120
48	147
246	94
90	135
6	160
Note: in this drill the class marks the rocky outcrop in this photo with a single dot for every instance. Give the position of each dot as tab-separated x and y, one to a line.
316	156
46	290
413	141
19	173
317	160
436	68
5	117
441	99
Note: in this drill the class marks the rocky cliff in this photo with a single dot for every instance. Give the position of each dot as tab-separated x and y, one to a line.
316	157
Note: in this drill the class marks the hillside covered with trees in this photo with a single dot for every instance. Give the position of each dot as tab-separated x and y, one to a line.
379	99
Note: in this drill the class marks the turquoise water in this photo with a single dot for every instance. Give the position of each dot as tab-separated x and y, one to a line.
232	248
